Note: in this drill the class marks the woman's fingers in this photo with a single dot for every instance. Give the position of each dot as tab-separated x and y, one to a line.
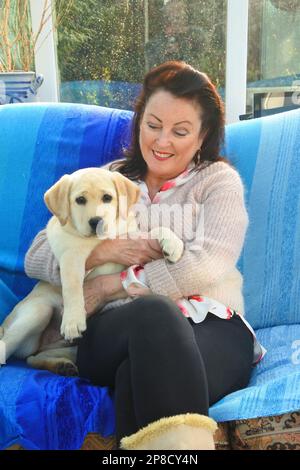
125	251
151	249
154	244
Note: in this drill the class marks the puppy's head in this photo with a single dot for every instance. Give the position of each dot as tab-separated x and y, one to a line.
92	200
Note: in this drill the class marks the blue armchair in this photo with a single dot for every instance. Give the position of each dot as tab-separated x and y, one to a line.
41	142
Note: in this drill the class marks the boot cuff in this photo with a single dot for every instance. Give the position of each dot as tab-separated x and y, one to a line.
162	425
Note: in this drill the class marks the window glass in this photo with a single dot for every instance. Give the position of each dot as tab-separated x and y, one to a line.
273	56
106	46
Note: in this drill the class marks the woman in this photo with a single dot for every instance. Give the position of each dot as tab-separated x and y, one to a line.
167	352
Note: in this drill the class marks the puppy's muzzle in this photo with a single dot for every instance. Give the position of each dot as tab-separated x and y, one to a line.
96	223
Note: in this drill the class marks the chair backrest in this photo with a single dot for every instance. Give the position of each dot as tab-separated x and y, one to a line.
38	144
266	152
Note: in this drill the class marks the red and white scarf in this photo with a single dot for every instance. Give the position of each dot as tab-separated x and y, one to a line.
168	187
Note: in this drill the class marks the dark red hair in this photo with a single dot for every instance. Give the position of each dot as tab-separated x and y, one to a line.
183	81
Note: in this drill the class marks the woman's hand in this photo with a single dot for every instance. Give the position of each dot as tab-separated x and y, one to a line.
124	251
101	290
94	296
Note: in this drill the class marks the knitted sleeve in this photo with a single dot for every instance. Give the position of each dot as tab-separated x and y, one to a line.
40	262
221	240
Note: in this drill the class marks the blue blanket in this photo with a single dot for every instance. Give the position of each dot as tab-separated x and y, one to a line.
40	410
38	144
266	153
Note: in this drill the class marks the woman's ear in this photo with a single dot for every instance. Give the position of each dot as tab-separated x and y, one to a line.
128	194
57	199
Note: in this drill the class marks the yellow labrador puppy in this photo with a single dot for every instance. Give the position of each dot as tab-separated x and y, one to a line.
89	205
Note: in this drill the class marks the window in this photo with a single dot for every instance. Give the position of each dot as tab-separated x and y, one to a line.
106	46
273	56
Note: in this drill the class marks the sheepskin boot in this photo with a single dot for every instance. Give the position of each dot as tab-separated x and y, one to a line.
180	432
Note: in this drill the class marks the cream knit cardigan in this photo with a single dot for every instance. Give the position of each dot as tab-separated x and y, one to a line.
211	270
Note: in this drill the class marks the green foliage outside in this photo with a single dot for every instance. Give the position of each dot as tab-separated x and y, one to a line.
112	40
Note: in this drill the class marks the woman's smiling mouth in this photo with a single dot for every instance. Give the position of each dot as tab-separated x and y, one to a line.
162	155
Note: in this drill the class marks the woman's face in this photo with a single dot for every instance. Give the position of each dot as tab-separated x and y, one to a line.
170	134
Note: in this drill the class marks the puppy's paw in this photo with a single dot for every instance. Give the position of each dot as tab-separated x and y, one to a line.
172	249
73	326
66	368
172	246
57	365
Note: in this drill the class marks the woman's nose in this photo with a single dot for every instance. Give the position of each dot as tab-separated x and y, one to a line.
163	139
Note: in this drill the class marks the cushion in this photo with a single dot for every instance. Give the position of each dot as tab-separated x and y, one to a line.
268	433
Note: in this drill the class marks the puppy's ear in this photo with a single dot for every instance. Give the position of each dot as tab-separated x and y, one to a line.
128	193
57	199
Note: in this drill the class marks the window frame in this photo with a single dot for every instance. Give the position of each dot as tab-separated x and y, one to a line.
45	55
236	59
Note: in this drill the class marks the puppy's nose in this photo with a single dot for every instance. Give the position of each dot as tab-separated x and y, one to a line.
94	221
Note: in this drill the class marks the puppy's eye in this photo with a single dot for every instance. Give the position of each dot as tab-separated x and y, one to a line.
81	200
107	198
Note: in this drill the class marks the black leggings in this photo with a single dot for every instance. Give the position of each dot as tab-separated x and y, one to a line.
161	364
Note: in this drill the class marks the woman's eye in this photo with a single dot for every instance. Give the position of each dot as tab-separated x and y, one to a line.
152	126
81	200
107	198
181	133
